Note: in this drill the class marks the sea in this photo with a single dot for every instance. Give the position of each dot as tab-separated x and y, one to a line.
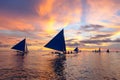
43	65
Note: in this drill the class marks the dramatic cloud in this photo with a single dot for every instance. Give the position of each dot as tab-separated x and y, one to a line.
92	27
70	40
99	41
15	24
85	21
4	45
18	7
101	36
102	10
73	43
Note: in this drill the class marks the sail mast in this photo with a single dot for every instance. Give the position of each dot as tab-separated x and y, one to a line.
26	48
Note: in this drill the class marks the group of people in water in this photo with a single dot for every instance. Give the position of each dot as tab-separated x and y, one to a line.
75	52
66	52
99	50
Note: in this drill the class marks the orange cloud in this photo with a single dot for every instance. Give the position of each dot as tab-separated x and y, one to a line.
55	13
52	15
45	7
14	24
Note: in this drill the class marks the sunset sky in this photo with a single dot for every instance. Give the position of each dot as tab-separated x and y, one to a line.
88	24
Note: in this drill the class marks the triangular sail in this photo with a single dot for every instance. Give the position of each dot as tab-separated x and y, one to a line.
20	46
58	42
76	50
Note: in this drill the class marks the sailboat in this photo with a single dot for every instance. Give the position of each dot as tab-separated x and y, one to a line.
99	50
108	51
21	47
76	50
57	43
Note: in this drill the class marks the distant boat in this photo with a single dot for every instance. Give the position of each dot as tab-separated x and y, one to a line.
57	43
99	50
108	51
21	46
76	50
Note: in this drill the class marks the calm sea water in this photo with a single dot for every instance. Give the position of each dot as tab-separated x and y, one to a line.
46	66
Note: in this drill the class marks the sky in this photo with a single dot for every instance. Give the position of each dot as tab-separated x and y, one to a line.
88	24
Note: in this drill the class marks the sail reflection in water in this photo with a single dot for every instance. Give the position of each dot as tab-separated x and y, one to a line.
59	67
19	61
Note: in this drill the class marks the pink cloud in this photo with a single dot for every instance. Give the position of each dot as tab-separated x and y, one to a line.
102	10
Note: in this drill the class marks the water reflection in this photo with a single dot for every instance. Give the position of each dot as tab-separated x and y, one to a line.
18	71
44	66
19	61
59	66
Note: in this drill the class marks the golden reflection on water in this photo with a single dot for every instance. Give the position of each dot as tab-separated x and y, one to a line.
47	66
